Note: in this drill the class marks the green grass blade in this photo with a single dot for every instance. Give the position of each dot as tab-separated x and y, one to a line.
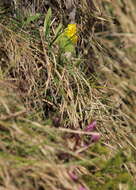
47	23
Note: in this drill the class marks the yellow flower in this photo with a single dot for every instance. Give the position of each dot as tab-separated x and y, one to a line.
71	33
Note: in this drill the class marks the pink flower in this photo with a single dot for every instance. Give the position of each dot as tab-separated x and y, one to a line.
95	137
91	127
82	188
73	176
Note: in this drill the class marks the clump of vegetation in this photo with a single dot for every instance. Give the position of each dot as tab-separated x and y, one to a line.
67	95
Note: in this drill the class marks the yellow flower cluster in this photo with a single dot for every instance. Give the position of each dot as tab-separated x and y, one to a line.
71	33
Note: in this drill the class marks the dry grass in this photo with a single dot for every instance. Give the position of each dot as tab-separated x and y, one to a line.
41	88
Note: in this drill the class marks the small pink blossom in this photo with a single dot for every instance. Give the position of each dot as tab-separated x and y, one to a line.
82	188
73	176
91	127
95	137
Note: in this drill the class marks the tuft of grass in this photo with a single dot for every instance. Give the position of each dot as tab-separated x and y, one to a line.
48	96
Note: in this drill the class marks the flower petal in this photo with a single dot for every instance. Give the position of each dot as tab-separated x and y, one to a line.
82	188
73	176
71	33
91	127
95	137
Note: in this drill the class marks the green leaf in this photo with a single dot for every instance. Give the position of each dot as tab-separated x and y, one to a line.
47	23
66	44
58	32
58	29
31	19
